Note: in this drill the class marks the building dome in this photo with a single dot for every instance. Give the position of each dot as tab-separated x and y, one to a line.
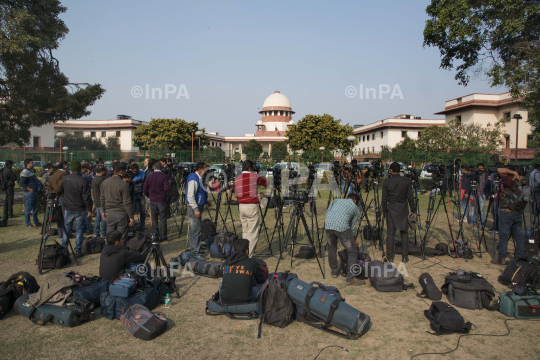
277	99
291	122
260	122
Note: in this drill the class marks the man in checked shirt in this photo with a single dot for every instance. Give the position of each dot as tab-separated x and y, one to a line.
340	223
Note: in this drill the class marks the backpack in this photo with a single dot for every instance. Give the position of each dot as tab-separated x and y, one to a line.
93	245
225	238
429	288
386	278
207	228
306	252
522	271
111	306
445	319
54	257
15	286
142	323
208	241
276	305
468	290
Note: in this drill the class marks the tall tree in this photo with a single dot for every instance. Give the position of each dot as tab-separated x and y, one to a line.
314	131
279	151
498	38
168	134
33	90
113	143
253	148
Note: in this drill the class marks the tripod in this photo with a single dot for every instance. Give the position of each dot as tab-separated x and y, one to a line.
228	210
154	251
278	215
416	189
51	208
297	215
438	184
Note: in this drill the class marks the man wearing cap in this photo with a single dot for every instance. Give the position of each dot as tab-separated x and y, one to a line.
78	202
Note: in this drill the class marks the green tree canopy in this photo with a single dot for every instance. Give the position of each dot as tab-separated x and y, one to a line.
279	151
113	143
33	90
214	154
77	141
500	39
314	131
253	148
168	134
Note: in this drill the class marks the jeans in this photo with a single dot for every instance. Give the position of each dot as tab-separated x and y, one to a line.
138	205
8	202
79	217
99	222
511	222
347	240
31	204
481	209
87	223
391	234
195	230
465	204
159	211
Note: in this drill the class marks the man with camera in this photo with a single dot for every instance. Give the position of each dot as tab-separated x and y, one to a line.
340	224
510	219
55	189
245	188
78	201
196	198
100	224
156	188
353	176
397	192
31	188
465	192
8	183
116	202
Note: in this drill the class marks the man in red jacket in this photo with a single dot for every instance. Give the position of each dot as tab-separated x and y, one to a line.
245	188
156	188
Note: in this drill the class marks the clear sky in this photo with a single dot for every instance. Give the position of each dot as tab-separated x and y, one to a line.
230	55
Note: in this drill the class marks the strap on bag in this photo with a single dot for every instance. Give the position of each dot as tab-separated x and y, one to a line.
206	268
47	320
409	286
333	309
531	305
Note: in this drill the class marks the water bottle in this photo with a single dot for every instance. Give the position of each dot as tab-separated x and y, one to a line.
167	301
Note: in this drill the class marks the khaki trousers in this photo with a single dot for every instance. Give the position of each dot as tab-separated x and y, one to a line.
249	217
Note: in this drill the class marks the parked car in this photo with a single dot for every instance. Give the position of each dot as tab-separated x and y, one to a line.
425	174
37	164
2	164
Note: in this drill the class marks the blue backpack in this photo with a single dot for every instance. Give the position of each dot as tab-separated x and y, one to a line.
210	240
221	251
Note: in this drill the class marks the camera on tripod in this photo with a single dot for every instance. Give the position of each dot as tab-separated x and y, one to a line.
412	174
297	196
375	170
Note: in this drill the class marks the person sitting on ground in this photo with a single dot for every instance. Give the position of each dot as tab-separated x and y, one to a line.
242	276
115	259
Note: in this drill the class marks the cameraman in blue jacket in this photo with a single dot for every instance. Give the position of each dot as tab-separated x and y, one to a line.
196	198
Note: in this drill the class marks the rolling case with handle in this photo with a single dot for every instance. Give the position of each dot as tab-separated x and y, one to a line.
45	314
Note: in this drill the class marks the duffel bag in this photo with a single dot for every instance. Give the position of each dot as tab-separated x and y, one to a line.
211	269
54	257
93	245
520	307
245	311
225	238
209	240
429	288
142	323
522	271
329	310
386	278
111	306
445	319
44	314
93	291
468	291
83	307
303	315
123	287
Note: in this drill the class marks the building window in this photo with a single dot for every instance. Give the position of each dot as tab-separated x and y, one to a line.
118	134
529	142
419	134
507	115
219	144
373	136
382	134
367	137
373	149
364	138
103	134
363	151
381	147
35	141
403	134
507	138
92	134
212	143
459	101
458	118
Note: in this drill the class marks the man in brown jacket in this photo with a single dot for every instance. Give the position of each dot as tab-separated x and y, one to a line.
116	202
55	188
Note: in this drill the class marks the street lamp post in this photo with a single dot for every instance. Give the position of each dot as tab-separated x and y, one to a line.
351	139
322	148
192	145
65	148
60	135
517	117
199	134
71	156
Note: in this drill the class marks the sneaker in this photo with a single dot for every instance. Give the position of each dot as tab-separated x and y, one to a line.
79	254
405	259
389	258
356	282
501	262
38	224
30	227
334	276
492	231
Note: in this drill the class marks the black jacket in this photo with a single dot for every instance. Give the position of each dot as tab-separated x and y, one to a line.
114	259
238	274
397	192
8	176
77	193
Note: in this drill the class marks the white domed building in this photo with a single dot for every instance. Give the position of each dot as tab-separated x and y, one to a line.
276	118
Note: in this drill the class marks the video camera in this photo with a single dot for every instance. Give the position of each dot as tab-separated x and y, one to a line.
375	170
297	196
412	174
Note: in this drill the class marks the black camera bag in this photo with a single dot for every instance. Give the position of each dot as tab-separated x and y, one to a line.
386	278
472	293
54	257
93	245
445	319
522	271
306	252
429	288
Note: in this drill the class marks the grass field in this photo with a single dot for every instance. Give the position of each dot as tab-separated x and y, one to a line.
399	326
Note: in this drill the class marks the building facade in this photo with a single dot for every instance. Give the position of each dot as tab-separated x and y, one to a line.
123	128
490	108
276	118
388	132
